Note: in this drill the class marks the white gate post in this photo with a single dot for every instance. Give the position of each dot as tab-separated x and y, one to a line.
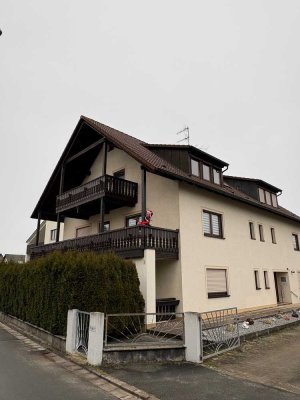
192	336
96	334
71	331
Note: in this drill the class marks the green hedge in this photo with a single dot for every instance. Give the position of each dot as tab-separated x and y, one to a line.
41	291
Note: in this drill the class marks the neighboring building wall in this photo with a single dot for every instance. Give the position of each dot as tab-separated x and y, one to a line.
50	225
236	252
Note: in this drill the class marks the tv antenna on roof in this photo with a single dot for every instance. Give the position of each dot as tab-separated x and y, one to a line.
186	132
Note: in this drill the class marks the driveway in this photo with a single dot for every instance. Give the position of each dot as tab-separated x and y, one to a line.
271	360
267	368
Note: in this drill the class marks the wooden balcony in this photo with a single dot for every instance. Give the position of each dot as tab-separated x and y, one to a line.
127	242
118	192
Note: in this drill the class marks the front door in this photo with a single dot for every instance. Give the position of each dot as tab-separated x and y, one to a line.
282	286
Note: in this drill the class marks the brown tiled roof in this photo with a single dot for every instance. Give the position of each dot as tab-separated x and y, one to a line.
140	151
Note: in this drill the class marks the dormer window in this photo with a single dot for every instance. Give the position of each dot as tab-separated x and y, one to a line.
216	176
205	171
267	197
274	200
195	167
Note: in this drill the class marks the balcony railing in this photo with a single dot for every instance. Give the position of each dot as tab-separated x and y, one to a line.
116	188
127	242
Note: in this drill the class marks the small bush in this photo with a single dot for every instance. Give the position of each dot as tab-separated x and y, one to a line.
42	291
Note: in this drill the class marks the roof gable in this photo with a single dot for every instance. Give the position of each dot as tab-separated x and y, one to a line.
89	130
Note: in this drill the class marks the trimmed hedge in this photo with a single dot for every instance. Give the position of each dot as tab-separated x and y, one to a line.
42	290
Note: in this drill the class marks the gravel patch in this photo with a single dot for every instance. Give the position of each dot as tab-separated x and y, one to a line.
261	324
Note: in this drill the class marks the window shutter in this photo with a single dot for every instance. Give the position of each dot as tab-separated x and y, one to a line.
216	281
215	225
206	222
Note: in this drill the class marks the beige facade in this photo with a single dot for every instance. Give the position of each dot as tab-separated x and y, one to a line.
180	206
237	252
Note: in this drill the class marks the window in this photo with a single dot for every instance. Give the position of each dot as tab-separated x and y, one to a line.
261	195
216	175
252	230
212	224
295	242
195	167
106	226
216	283
274	200
266	278
206	172
120	174
267	197
53	234
132	220
257	282
273	236
84	231
261	233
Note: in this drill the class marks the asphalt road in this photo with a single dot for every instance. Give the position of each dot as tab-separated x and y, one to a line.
26	374
192	382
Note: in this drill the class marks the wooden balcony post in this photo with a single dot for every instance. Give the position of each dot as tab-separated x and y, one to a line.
144	192
104	166
102	203
102	213
37	236
61	188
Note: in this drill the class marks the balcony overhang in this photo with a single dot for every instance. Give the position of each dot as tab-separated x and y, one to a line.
83	201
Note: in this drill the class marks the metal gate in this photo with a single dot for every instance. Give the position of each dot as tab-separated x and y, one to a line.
219	332
82	331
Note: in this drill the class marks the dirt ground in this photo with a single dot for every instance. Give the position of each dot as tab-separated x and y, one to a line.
273	360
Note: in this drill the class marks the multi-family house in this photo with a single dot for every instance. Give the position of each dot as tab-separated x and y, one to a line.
214	241
14	258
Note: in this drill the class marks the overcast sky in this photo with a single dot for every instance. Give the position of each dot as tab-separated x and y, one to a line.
227	69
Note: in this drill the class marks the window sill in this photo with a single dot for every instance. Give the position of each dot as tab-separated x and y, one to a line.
296	249
217	295
258	288
267	288
213	236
